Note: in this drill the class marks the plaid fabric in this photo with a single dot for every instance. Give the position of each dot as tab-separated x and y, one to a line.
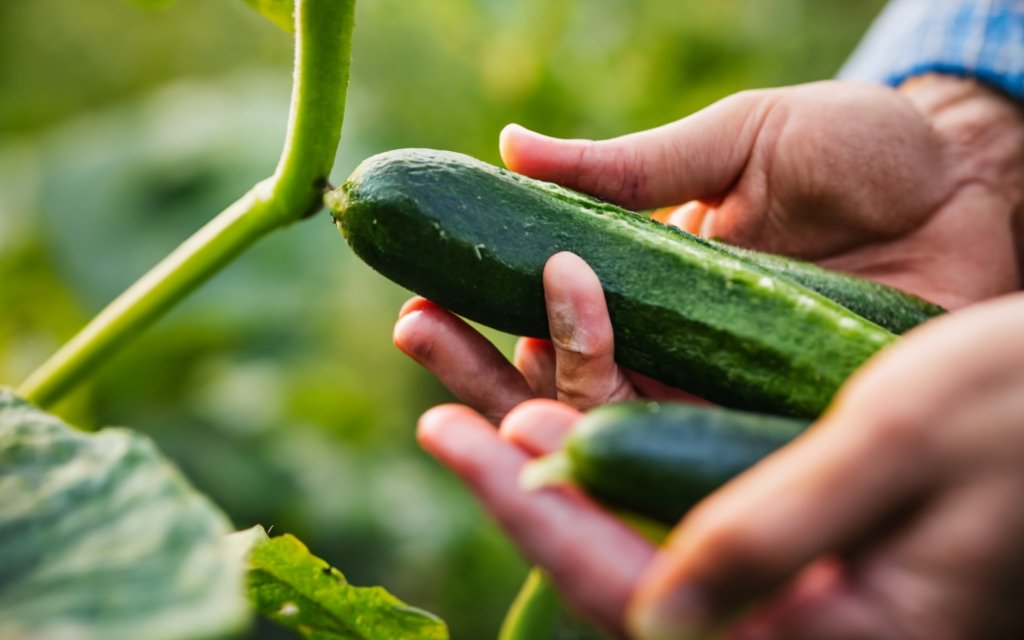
982	39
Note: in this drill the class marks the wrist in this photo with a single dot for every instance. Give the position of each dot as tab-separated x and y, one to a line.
982	131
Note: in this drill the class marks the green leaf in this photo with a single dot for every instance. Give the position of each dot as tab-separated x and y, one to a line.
293	587
100	537
280	12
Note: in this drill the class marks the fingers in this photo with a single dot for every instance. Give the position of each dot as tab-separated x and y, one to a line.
910	382
689	217
535	359
581	333
826	492
880	480
698	157
577	366
465	362
824	602
595	574
542	429
953	570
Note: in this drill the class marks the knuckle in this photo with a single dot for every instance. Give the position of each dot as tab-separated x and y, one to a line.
569	345
747	96
734	546
611	170
584	393
572	354
900	435
734	550
740	565
581	347
576	393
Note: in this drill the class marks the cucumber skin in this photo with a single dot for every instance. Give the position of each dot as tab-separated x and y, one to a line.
474	238
887	307
660	459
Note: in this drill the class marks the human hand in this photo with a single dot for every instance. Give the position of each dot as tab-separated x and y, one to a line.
558	528
576	366
897	516
919	189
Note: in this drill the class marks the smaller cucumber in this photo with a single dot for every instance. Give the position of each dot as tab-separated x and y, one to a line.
660	459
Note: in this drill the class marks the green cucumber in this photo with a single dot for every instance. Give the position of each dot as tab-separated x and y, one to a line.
660	459
474	238
887	307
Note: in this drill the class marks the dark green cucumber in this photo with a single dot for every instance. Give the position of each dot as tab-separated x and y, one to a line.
887	307
660	459
474	238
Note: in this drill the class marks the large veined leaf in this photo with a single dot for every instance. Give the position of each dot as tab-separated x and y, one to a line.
293	587
280	12
102	538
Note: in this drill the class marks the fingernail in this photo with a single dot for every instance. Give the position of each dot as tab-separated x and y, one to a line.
513	128
681	615
415	303
408	340
503	138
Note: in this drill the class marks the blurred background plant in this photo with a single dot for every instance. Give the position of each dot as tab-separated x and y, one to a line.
276	387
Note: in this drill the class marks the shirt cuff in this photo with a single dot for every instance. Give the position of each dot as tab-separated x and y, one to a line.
983	39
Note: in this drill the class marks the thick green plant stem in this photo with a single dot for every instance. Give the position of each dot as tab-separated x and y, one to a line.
202	255
323	43
533	613
323	46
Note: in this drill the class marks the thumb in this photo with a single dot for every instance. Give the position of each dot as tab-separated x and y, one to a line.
696	158
823	494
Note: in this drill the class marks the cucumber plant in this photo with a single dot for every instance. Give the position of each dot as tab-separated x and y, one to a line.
100	536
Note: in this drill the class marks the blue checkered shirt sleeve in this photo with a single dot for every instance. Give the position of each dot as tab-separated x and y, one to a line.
982	39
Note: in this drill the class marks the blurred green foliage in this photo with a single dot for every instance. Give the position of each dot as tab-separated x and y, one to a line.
276	387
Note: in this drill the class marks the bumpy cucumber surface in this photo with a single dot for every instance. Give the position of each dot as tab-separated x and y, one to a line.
660	459
887	307
474	238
